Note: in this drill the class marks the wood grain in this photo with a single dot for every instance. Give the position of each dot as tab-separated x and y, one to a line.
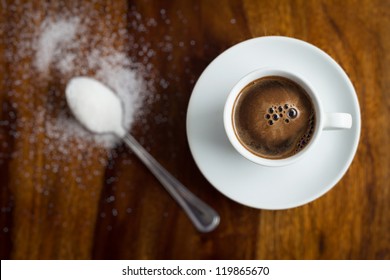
106	205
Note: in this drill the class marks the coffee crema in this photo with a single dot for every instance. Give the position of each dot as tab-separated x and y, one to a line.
273	117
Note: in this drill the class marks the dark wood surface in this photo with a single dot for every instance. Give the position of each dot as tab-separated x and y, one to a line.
106	205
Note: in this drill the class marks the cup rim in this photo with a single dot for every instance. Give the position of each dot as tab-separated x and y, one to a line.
229	105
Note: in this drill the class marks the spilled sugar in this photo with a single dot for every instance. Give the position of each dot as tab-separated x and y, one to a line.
53	38
60	46
39	61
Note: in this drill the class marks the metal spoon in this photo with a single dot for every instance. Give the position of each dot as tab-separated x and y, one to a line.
90	103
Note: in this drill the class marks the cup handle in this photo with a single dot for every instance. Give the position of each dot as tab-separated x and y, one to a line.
335	121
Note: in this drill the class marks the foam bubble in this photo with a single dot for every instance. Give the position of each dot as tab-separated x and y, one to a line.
292	113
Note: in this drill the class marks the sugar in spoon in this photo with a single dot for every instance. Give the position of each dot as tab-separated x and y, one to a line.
100	110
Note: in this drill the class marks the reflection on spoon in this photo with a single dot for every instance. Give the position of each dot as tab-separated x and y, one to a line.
99	110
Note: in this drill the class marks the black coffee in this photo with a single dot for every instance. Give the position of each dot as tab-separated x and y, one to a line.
273	117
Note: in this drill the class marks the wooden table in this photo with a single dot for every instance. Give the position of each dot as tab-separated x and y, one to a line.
84	204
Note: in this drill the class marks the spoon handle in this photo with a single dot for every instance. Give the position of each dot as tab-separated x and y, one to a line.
204	218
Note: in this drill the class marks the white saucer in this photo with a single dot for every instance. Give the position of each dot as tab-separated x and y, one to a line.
271	187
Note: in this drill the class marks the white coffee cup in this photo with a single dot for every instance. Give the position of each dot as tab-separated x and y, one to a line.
324	120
